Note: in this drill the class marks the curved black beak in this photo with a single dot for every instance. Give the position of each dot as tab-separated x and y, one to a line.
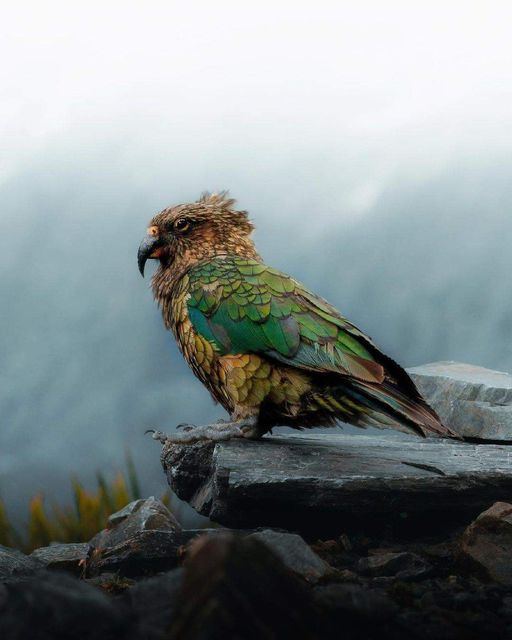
147	249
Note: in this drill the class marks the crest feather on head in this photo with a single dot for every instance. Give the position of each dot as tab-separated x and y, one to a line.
222	199
225	203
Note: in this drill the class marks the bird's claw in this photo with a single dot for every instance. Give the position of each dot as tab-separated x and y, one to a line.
157	435
185	426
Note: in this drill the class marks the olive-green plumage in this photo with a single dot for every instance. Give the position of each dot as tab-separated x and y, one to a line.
264	345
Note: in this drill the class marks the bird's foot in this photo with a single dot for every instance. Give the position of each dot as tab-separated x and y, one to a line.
216	432
187	427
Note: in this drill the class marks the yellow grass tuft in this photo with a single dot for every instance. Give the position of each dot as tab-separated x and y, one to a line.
76	523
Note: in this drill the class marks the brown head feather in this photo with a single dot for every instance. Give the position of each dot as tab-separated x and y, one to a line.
201	230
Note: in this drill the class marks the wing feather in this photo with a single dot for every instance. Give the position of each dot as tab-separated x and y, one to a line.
269	312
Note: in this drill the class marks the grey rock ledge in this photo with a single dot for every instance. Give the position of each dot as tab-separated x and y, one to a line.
324	484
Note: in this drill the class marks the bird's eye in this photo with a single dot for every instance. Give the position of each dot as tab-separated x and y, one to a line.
182	225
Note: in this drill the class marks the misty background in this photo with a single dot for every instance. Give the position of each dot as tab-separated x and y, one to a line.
370	144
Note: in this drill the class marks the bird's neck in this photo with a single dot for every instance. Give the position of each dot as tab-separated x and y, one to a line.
168	276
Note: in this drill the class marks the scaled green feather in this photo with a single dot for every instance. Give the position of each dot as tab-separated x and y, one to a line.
243	306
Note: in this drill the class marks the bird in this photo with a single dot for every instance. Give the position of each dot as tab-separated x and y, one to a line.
269	350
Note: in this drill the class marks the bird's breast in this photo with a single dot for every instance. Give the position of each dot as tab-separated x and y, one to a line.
240	382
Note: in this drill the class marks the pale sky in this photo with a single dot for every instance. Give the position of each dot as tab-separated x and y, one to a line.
411	84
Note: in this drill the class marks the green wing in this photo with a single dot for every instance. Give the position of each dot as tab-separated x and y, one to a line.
244	306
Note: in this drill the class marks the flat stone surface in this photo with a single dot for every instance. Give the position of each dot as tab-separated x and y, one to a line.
330	483
474	401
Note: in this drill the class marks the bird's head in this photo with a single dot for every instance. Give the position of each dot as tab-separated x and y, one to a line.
185	234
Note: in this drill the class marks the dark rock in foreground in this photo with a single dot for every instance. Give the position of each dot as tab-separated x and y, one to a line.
353	603
403	565
14	563
236	587
323	484
153	602
53	605
134	547
139	539
294	553
62	556
487	543
266	584
475	402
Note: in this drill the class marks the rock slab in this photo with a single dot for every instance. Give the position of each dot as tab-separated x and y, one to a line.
475	402
326	483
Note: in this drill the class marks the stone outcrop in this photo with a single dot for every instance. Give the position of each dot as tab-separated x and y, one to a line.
474	401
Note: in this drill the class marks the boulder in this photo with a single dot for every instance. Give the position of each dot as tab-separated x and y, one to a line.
474	401
141	538
487	544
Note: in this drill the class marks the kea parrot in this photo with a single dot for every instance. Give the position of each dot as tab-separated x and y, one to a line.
270	351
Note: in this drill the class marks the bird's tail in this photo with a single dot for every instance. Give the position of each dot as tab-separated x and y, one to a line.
385	405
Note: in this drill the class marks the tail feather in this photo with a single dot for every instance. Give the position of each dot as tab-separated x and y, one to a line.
387	401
